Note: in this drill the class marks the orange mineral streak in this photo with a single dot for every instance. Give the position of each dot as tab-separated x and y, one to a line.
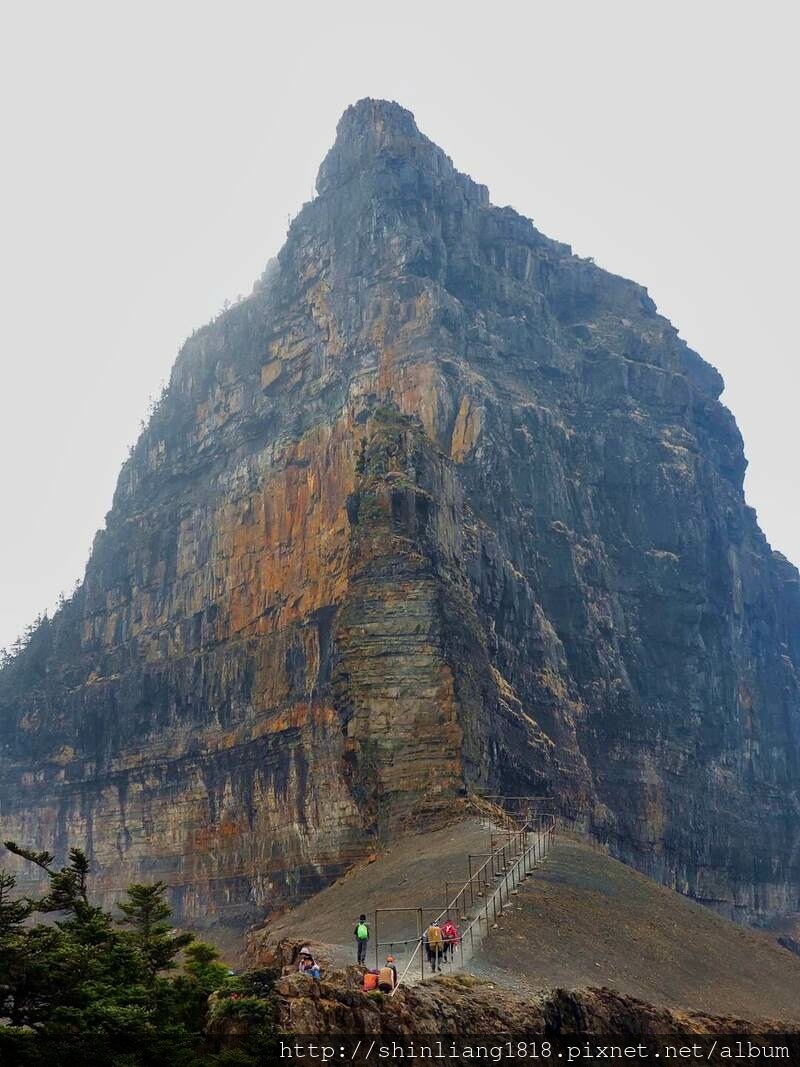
407	375
284	547
466	431
324	319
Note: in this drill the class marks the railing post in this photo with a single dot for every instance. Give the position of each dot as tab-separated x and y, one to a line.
421	946
525	839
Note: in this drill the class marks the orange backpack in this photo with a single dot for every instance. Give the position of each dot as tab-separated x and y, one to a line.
370	981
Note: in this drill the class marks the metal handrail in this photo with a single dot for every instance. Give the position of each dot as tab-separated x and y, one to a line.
521	859
408	967
515	835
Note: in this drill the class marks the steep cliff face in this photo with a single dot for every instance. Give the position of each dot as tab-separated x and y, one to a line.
440	506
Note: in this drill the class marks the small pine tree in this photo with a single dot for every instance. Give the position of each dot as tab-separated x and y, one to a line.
202	964
13	911
67	891
146	912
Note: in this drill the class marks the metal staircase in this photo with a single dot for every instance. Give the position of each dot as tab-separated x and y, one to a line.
520	836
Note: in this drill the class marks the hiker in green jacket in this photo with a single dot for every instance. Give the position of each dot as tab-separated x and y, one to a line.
361	933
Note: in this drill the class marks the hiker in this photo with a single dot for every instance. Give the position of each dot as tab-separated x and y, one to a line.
361	933
433	945
308	965
451	939
387	976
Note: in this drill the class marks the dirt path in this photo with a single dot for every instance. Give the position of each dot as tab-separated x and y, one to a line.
410	875
583	919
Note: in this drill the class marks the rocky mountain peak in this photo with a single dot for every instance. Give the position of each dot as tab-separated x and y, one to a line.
375	136
442	507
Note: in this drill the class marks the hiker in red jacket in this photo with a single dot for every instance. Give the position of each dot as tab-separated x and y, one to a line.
451	938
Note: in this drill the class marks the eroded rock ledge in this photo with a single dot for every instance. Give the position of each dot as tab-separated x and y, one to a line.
462	1005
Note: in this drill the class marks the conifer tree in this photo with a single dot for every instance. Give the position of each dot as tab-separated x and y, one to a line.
146	912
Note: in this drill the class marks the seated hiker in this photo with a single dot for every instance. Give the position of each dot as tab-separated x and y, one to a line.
308	965
361	933
304	961
387	976
433	945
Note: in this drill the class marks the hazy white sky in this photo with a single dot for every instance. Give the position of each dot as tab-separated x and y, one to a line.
152	153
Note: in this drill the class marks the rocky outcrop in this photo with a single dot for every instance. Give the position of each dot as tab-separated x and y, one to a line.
461	1005
440	506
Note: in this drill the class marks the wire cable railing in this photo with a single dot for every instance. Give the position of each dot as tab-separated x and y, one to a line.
515	849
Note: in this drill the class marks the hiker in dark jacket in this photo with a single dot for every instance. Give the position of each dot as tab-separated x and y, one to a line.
361	933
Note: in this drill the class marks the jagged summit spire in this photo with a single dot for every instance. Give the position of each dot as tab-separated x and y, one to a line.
365	130
371	132
379	116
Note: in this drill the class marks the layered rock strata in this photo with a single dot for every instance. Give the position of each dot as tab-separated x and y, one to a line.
441	506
